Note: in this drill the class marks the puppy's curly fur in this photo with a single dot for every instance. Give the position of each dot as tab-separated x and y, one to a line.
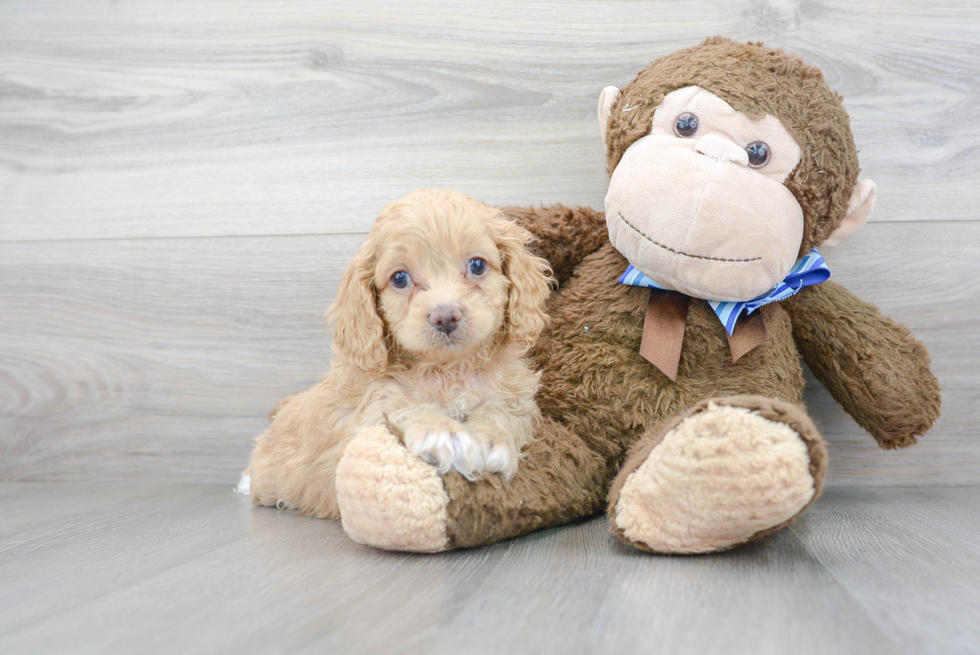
459	396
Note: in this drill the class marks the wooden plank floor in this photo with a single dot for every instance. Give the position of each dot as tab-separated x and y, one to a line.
131	567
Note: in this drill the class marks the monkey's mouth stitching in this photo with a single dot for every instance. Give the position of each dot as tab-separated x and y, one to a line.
679	252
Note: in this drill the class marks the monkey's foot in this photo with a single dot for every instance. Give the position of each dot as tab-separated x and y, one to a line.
388	497
729	471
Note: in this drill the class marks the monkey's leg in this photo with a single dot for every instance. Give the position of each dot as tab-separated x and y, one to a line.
390	499
726	472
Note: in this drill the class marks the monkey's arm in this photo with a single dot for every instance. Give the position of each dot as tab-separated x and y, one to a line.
871	365
563	235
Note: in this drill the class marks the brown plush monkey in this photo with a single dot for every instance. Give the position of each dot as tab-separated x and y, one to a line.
729	162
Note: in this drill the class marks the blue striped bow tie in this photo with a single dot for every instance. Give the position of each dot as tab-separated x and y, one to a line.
810	270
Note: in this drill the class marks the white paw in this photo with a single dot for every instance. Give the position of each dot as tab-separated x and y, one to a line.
446	450
499	458
243	485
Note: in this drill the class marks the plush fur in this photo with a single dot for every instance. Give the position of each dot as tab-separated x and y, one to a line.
462	399
410	490
730	453
608	411
674	502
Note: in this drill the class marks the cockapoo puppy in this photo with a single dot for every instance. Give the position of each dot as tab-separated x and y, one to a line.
431	323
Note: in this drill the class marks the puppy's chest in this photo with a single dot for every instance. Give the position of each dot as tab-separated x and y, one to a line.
459	396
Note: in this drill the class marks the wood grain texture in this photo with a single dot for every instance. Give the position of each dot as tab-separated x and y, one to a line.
157	568
172	119
913	538
159	358
156	358
181	185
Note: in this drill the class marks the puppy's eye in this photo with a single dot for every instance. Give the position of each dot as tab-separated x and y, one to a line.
477	266
758	153
686	125
400	280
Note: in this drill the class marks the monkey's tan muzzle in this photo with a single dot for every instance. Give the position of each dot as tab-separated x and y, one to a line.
702	223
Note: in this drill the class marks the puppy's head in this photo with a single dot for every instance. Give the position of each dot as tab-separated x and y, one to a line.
442	275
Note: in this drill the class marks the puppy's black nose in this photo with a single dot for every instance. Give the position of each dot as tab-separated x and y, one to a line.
445	318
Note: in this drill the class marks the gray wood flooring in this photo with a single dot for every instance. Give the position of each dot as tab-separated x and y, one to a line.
143	567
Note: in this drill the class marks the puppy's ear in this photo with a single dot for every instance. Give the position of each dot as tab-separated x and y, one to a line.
358	336
529	278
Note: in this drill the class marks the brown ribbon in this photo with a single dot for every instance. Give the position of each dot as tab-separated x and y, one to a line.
750	331
663	331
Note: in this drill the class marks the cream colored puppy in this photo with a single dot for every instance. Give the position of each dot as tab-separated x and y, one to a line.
431	323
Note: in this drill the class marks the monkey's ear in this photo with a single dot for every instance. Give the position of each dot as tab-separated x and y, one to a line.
607	99
858	209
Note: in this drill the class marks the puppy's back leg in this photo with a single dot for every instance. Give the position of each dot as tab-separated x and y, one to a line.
259	480
280	448
279	405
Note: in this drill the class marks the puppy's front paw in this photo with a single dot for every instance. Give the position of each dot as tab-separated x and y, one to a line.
445	447
500	457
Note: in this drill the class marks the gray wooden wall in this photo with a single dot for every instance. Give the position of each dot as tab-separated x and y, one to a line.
182	183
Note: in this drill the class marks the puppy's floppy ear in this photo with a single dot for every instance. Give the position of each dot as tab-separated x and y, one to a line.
358	336
529	277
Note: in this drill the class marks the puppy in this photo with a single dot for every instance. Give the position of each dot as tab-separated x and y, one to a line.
431	323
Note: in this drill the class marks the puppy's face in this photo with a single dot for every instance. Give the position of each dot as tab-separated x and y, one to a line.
439	275
445	274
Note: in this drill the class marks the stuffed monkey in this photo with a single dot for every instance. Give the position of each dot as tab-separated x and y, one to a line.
672	386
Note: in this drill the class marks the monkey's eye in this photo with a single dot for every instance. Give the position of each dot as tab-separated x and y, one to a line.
686	125
758	153
400	279
477	266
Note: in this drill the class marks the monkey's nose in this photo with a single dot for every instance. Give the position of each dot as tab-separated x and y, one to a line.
445	318
716	147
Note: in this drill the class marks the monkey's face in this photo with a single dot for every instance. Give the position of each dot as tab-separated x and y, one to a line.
699	204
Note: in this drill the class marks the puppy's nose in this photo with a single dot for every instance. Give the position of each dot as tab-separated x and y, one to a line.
445	318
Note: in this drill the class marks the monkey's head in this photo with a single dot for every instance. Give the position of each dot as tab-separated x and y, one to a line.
728	162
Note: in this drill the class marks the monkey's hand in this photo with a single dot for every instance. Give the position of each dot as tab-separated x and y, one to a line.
563	235
870	364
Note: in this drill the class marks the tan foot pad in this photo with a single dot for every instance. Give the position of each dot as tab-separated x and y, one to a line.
718	478
388	497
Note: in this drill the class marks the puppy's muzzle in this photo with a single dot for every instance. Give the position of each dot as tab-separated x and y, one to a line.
445	318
